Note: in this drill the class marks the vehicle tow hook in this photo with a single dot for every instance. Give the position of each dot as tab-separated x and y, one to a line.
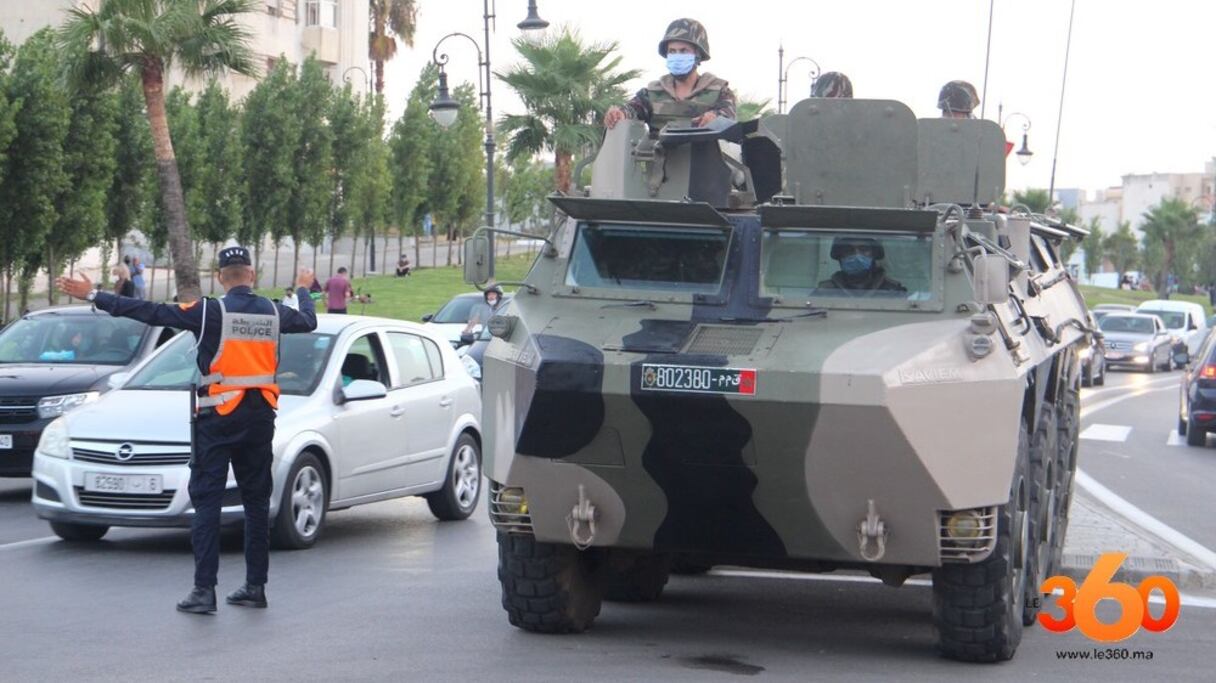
583	514
872	534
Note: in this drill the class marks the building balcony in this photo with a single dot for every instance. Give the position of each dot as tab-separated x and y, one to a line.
322	41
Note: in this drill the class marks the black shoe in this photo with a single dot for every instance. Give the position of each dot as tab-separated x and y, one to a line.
201	600
249	595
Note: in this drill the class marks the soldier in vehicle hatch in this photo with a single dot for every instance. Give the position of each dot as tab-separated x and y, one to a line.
832	84
957	99
859	269
683	93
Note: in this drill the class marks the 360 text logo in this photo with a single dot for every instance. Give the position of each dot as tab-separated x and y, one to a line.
1080	605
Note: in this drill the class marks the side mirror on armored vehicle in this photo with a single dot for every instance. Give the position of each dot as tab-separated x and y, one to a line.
478	261
991	279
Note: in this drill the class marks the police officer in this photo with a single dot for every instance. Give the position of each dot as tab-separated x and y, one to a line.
957	99
859	269
682	93
237	342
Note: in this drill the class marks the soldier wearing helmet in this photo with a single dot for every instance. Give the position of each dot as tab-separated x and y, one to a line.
833	84
859	269
957	100
683	93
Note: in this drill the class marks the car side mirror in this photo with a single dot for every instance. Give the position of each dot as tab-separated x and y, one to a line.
427	318
363	390
991	279
478	261
117	379
1192	327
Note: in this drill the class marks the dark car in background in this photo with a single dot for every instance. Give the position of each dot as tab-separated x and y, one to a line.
54	360
1093	357
1197	400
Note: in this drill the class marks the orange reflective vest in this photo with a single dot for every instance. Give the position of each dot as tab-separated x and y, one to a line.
247	358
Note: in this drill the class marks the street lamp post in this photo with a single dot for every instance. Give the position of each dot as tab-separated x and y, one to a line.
367	80
1024	154
783	76
444	109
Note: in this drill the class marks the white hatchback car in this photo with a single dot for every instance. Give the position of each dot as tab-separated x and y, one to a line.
371	409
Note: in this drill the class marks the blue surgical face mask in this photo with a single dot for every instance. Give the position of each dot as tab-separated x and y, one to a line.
680	64
856	264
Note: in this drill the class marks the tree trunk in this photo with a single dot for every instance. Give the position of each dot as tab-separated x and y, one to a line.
354	251
170	184
8	290
314	258
295	257
561	171
371	250
449	234
417	247
379	75
333	250
434	247
215	248
257	262
152	279
50	275
72	269
384	260
274	276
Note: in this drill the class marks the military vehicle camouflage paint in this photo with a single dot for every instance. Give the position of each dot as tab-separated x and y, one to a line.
838	431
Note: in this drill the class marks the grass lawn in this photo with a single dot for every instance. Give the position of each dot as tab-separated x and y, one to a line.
1105	295
410	298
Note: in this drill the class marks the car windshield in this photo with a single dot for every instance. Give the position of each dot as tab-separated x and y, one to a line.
457	310
618	256
71	339
1127	323
818	264
302	359
1175	320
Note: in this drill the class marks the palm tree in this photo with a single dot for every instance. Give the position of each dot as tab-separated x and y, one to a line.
1172	225
1036	200
390	20
749	109
148	37
566	87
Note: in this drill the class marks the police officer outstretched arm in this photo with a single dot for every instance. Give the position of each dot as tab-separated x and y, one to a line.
237	339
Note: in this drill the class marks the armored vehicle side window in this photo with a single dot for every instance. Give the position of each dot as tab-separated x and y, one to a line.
676	259
822	264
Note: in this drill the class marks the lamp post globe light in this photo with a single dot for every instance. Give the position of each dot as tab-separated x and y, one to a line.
1024	154
445	110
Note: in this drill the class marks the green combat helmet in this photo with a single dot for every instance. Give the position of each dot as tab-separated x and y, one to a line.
958	97
689	31
832	84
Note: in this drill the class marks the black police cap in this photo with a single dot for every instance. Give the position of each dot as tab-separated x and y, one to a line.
235	256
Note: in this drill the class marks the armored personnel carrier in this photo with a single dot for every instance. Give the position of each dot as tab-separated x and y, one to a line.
826	348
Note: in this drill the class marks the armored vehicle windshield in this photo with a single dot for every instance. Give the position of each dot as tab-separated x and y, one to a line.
635	257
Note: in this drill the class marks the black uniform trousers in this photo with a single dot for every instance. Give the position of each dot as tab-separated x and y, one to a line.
242	437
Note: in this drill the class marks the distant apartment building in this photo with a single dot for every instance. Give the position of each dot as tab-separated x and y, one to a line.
335	31
1142	192
1106	205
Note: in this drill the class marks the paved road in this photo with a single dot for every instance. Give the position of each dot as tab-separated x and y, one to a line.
391	593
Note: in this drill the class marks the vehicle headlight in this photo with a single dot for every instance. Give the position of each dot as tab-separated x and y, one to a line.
54	406
1086	353
55	441
472	367
1142	346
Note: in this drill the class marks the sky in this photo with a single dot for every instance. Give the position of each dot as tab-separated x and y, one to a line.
1140	95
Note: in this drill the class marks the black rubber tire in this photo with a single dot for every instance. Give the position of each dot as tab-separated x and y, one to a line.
1068	423
1087	375
547	587
283	532
1044	457
683	565
636	578
445	503
1196	436
977	608
79	533
1181	427
1100	380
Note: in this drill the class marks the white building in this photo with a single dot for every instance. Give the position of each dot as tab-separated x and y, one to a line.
1142	192
1105	205
336	31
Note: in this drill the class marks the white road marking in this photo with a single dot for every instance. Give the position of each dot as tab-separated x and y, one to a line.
1186	600
30	542
1132	393
1175	439
1146	521
1099	432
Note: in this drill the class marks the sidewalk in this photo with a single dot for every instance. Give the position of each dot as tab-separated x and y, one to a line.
1093	529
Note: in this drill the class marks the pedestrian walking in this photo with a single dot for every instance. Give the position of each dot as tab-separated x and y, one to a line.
237	340
123	286
137	277
338	292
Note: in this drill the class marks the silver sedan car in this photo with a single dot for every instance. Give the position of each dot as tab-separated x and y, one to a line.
1138	340
371	409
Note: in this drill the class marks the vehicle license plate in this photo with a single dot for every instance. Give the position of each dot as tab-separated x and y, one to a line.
1111	355
699	380
6	441
123	483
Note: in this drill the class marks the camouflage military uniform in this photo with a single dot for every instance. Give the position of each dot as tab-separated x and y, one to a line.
657	104
876	279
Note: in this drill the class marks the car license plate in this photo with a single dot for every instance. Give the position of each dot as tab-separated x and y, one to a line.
6	441
688	378
1111	355
123	483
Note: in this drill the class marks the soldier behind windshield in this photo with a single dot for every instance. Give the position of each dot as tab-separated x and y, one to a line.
859	269
683	93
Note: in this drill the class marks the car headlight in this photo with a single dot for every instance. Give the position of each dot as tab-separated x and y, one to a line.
1086	353
55	441
54	406
1142	346
472	367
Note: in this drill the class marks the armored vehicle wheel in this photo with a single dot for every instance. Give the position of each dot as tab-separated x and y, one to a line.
547	587
636	577
977	608
1067	422
1044	458
1196	436
684	565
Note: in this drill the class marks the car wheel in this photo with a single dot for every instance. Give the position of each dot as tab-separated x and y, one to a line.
1087	375
977	608
1100	380
462	487
1196	436
302	509
1181	426
79	533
